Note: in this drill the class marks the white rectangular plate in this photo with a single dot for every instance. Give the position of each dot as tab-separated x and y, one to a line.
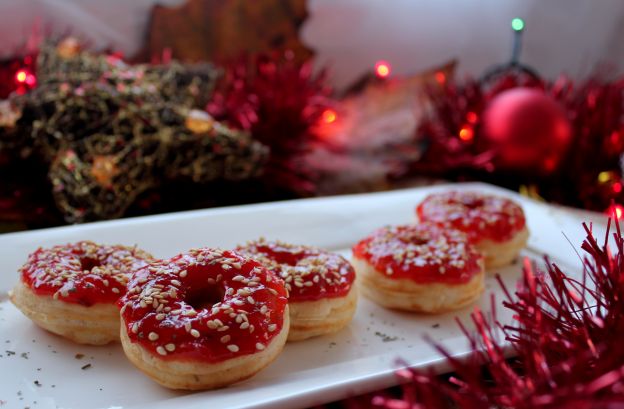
40	370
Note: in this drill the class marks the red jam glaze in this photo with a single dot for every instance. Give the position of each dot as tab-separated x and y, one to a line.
310	273
424	253
207	305
82	273
479	215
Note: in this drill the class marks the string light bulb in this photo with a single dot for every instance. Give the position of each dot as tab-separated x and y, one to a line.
382	69
21	76
466	134
329	116
517	24
615	211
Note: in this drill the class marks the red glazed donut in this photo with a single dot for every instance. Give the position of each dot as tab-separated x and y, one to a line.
321	295
421	267
203	319
72	290
496	225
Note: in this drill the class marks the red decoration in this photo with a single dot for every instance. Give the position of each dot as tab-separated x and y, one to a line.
527	129
561	141
279	101
567	343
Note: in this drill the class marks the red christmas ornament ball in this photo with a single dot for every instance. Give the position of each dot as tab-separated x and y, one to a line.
528	130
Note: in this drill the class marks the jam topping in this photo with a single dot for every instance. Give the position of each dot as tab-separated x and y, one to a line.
309	273
205	304
424	253
82	273
478	215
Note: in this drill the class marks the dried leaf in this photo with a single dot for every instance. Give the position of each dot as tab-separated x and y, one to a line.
211	30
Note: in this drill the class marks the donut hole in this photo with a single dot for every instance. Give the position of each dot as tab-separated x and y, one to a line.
203	298
88	263
472	203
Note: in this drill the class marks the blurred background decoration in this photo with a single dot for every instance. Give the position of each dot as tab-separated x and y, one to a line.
229	102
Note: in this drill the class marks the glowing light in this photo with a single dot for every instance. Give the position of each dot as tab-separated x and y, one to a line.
329	116
604	177
31	80
471	117
617	187
466	134
549	164
616	211
21	76
382	69
440	77
517	24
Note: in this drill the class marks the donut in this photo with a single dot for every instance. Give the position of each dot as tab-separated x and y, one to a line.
495	224
321	295
203	319
420	267
72	290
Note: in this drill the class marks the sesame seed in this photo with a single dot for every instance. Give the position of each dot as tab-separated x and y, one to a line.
272	327
233	348
238	278
223	328
225	338
260	346
161	350
195	333
176	282
135	328
170	347
160	316
211	324
244	325
152	336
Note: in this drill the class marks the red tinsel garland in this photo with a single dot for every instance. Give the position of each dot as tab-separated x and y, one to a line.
567	343
279	101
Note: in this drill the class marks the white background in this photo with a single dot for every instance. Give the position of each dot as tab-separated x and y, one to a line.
562	35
